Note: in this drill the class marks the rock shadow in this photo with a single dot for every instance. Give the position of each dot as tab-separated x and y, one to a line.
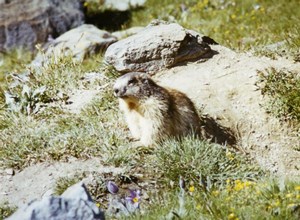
109	20
189	47
216	133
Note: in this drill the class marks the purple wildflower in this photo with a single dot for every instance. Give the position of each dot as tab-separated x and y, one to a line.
134	199
112	187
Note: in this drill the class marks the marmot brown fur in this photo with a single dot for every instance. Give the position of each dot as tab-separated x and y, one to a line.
154	113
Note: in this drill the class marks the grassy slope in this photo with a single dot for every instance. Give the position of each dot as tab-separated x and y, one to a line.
240	25
55	134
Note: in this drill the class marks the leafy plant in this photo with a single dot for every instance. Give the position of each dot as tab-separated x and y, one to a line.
29	101
283	89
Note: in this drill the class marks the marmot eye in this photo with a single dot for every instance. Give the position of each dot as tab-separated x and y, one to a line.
131	82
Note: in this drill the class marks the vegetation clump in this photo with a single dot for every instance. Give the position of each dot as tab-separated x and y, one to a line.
283	89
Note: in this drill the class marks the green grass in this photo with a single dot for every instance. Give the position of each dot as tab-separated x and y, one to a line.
240	25
27	139
40	128
13	61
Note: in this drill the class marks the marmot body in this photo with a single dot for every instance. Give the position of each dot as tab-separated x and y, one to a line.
154	113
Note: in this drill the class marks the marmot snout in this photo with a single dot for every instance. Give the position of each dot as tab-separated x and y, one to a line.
154	113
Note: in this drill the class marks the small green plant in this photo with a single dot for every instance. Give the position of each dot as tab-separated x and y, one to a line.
6	210
283	89
28	101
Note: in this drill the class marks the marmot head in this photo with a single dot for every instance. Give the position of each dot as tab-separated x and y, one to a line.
134	85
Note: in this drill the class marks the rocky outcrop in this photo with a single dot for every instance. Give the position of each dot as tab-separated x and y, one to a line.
24	23
74	203
79	43
158	46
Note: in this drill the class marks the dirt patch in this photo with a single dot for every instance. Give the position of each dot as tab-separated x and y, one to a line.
39	180
224	86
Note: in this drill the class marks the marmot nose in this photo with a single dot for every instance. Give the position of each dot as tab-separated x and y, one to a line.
116	91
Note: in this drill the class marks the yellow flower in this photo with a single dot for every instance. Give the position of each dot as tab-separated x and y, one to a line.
192	189
233	16
248	183
239	185
289	195
292	205
198	207
232	216
229	155
277	202
98	204
297	187
215	192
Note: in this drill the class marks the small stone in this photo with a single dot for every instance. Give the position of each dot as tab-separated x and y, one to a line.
10	171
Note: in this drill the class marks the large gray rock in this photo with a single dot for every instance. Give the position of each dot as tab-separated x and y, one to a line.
79	43
74	203
158	46
23	23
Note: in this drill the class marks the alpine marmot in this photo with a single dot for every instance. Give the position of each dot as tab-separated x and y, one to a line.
154	113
